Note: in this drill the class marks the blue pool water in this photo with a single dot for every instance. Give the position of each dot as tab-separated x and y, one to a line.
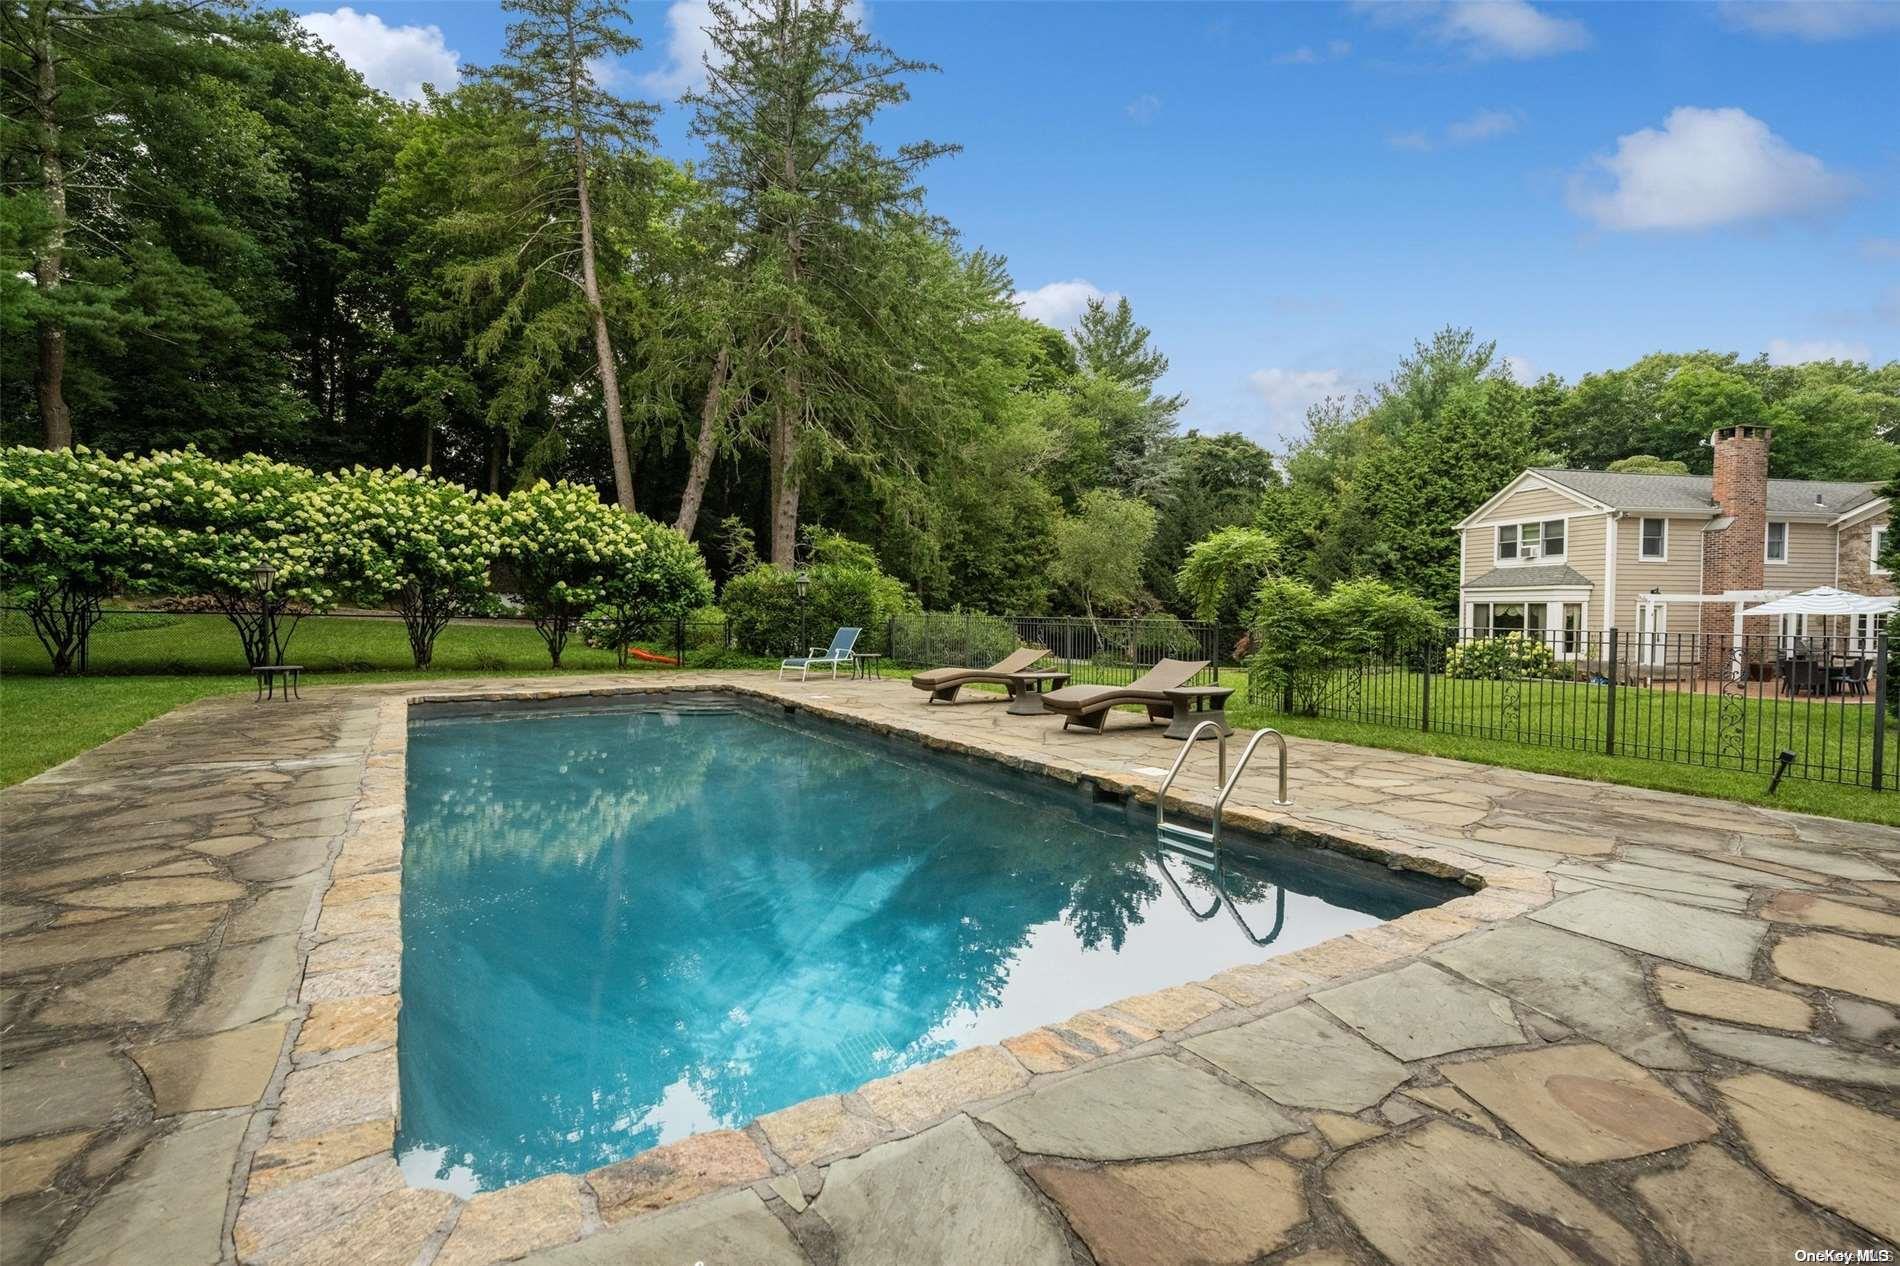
627	926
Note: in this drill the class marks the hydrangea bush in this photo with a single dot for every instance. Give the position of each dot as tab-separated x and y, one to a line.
66	542
1512	657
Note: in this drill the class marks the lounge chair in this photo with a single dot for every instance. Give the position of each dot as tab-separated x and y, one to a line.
1089	706
943	683
839	652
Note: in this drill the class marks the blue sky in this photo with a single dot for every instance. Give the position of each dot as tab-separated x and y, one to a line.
1290	195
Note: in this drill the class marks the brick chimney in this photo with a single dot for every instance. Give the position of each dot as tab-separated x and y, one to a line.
1732	558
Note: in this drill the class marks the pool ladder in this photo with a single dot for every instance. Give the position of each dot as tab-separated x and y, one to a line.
1202	848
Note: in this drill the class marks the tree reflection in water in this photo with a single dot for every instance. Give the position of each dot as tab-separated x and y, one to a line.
624	927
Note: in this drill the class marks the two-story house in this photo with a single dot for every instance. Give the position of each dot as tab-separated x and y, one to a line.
1566	552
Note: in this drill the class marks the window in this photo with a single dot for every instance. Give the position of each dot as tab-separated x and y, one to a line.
1528	541
1655	547
1481	619
1866	634
1507	617
1876	546
1777	543
1794	627
1573	627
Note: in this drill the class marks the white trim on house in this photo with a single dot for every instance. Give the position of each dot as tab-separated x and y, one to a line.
1874	548
1872	509
1531	479
1641	525
1552	599
1609	569
1768	536
1540	559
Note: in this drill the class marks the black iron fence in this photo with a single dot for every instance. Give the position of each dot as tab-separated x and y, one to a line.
1808	707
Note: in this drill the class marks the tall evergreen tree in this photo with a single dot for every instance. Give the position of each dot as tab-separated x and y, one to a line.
573	126
791	87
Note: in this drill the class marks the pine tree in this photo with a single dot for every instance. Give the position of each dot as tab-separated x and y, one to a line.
572	127
791	86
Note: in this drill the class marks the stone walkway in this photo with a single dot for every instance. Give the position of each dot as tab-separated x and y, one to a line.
1661	1029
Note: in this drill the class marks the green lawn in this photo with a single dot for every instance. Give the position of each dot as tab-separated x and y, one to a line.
144	666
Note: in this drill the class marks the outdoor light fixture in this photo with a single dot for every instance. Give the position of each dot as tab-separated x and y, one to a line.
263	574
1784	761
803	583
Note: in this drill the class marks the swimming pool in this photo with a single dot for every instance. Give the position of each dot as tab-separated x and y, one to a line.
624	926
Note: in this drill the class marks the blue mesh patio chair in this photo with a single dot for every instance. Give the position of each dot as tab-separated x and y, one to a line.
839	652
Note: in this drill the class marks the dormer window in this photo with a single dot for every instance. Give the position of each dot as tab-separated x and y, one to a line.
1777	551
1530	542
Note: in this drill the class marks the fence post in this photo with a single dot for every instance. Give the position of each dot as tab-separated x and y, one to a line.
1425	690
1216	655
1609	701
966	640
1880	710
679	640
890	636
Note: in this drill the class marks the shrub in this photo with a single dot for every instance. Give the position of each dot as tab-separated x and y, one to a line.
656	585
1222	570
763	609
66	542
423	545
934	638
1302	637
569	553
1512	657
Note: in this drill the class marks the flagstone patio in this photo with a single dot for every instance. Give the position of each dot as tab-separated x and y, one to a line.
1660	1029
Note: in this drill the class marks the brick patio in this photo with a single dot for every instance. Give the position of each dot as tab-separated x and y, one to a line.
1659	1029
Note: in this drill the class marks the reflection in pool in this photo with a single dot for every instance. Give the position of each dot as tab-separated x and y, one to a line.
623	927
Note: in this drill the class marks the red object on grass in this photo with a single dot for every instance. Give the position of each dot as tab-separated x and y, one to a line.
650	657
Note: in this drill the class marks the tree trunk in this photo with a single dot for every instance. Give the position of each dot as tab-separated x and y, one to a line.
497	454
784	488
710	412
603	341
49	379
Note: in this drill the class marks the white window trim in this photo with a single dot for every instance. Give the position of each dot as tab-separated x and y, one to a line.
1497	538
1874	535
1787	542
1553	600
1653	558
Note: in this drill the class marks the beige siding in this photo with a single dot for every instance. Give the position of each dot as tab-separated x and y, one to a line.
1681	572
1810	558
1534	503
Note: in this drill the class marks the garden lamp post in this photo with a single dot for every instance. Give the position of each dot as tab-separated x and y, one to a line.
262	576
802	583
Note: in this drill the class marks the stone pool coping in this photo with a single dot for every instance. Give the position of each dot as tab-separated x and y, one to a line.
336	1098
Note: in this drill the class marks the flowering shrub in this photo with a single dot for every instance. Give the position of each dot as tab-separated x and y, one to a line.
65	542
423	545
572	555
1512	657
764	611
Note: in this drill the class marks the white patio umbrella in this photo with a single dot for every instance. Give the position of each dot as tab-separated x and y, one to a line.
1825	600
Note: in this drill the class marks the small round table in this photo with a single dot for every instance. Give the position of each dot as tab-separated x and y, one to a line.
865	664
1195	704
1026	691
268	675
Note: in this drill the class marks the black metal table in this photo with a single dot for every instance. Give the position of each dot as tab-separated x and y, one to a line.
1026	691
1195	704
267	680
864	664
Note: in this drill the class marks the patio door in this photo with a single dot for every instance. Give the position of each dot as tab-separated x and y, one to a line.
1652	634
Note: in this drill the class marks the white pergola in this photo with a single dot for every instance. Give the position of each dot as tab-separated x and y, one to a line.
1647	603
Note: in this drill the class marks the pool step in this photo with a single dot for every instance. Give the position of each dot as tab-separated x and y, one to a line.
1195	845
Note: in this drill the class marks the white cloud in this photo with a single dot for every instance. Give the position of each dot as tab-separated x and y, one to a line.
1812	20
1485	28
687	47
1704	167
1783	351
1524	371
1289	393
1059	303
1485	125
1144	107
1307	55
396	59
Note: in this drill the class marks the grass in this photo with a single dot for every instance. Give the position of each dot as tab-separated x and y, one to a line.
143	666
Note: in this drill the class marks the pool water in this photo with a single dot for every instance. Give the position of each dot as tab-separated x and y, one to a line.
624	927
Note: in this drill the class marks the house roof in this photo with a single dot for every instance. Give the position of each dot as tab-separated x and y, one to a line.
1547	576
1695	494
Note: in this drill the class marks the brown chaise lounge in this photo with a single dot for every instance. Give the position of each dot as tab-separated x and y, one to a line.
1089	706
943	683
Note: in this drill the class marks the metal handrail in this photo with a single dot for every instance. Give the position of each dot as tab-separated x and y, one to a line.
1225	783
